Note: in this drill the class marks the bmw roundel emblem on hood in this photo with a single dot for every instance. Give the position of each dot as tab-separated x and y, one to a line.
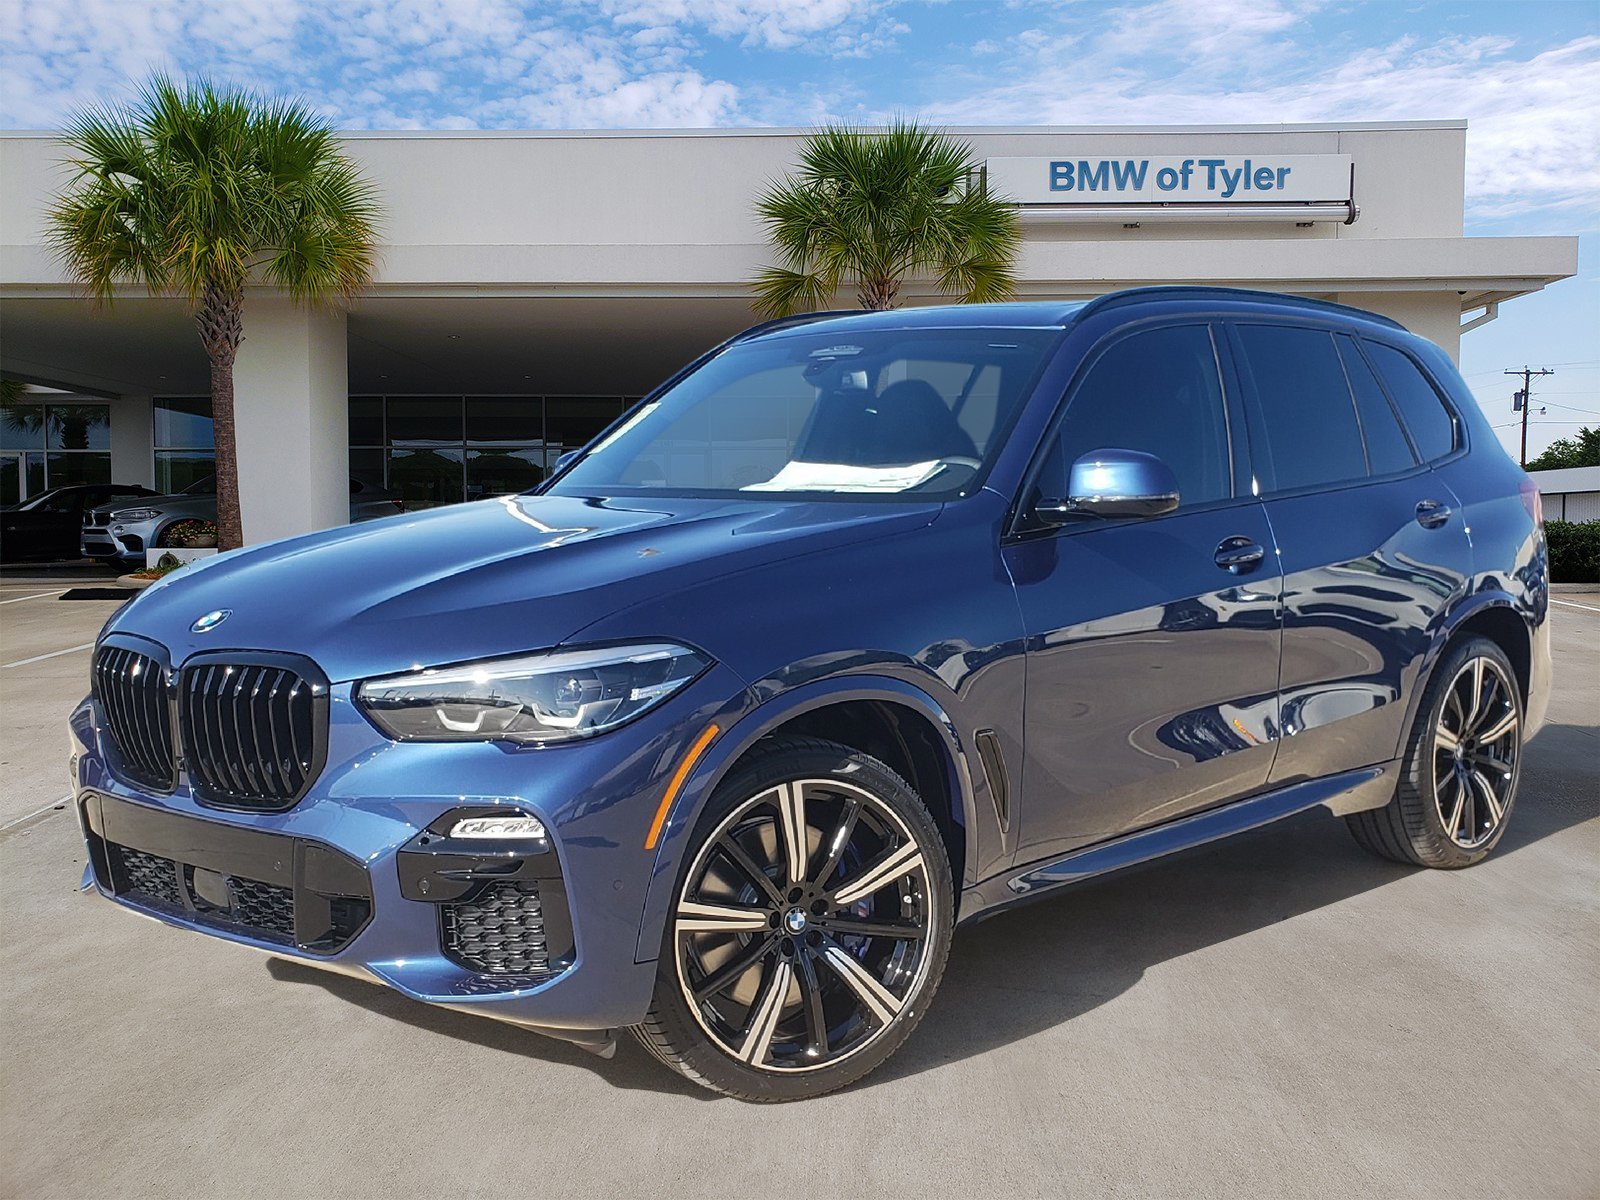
211	620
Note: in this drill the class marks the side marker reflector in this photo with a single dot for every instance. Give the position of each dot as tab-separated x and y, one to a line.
675	784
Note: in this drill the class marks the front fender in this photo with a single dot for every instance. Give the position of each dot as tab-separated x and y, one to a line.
731	745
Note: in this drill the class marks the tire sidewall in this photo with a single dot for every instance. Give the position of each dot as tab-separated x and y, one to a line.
1420	770
786	760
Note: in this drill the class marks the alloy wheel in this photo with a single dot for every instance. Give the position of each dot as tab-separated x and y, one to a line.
1475	745
804	926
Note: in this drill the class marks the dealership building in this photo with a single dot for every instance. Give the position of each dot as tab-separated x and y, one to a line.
532	284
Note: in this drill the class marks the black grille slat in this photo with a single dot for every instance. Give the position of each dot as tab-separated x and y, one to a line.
132	690
501	932
272	727
251	731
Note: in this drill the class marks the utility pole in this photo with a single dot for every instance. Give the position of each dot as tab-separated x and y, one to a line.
1524	401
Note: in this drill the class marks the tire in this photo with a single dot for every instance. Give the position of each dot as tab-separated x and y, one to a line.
791	970
1463	760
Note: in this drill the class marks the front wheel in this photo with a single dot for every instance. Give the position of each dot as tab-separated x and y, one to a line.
809	930
1459	778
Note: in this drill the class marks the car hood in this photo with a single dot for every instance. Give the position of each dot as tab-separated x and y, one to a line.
176	505
489	578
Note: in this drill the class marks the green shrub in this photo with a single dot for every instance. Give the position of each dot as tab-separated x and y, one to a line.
1574	551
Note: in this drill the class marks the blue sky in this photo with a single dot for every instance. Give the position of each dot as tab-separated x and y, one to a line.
1523	74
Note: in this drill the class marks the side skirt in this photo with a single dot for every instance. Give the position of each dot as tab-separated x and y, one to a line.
1347	792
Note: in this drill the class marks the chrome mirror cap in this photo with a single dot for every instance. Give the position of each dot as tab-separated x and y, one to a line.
1114	483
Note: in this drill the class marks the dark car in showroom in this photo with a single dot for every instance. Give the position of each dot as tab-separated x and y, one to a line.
48	525
859	628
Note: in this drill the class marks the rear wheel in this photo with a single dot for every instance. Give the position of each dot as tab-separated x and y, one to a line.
810	928
1459	778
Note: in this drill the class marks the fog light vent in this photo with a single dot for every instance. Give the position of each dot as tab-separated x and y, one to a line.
500	932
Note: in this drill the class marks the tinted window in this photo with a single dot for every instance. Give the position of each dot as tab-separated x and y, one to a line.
1303	421
1387	450
1432	426
820	410
1158	392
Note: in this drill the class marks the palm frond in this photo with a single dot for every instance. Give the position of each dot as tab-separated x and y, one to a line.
872	208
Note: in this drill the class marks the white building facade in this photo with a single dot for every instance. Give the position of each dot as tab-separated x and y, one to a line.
532	284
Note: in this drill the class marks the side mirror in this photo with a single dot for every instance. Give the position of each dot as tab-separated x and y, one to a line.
1113	483
564	460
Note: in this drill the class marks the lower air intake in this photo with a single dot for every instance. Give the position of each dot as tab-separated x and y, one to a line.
500	932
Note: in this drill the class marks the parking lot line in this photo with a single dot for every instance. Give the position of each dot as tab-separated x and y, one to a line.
35	596
1570	604
22	662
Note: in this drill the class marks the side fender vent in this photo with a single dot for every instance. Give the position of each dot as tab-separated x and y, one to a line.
994	769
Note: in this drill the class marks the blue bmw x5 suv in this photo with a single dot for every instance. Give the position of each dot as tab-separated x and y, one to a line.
860	627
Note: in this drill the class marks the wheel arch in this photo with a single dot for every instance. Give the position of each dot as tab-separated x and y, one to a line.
877	715
1494	615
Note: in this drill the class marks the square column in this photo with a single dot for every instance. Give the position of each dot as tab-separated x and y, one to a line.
292	417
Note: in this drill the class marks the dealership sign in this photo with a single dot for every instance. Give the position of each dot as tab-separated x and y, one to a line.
1218	179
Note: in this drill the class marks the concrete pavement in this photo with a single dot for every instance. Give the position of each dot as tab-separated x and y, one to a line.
1277	1015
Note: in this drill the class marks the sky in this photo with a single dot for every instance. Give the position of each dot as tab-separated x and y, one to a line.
1523	73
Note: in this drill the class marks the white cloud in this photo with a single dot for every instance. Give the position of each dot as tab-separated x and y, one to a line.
367	63
1533	119
778	24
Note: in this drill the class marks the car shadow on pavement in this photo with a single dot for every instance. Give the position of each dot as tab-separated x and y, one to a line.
1034	968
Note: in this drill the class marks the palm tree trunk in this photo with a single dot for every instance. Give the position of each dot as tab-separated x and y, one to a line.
878	294
220	317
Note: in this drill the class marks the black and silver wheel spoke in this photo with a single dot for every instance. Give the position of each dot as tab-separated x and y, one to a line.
1475	744
790	967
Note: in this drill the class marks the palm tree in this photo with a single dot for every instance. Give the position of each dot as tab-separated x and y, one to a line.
197	191
871	208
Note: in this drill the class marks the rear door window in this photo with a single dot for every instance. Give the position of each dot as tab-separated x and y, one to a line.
1387	448
1303	426
1432	425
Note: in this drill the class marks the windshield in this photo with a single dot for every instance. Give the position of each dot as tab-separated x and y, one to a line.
206	486
900	412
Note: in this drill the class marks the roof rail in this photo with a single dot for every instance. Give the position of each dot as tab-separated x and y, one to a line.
1179	292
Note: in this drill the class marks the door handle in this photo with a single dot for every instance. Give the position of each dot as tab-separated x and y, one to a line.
1239	555
1432	513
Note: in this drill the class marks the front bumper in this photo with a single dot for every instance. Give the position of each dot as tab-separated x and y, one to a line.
120	540
359	876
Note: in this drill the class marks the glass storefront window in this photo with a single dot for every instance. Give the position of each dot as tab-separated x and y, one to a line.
184	422
366	464
445	449
573	421
428	477
79	427
60	444
424	419
503	470
63	470
366	420
505	419
185	441
177	469
22	427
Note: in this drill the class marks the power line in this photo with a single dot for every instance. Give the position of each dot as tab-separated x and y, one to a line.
1524	401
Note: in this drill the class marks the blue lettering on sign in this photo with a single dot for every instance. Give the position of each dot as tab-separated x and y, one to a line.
1129	175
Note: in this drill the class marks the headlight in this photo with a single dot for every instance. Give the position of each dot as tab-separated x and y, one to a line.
135	514
554	697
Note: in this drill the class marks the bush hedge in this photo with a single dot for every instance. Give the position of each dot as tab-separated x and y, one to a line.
1574	551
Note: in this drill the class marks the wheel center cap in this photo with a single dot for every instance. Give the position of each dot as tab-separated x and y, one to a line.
795	920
